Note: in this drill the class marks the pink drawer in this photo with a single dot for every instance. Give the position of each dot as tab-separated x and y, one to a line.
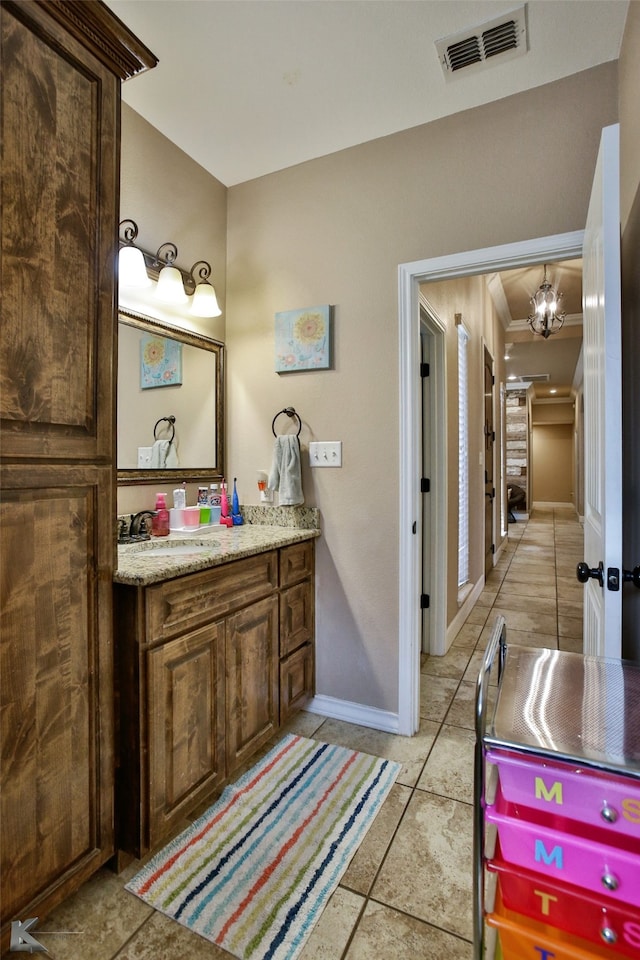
570	791
599	920
551	849
523	939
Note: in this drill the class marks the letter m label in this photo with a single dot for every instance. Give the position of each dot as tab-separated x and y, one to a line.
555	793
541	855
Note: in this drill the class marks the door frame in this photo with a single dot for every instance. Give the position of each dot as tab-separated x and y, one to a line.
564	246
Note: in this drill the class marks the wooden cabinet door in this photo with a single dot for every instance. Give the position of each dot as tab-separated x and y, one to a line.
252	679
297	681
57	683
296	617
186	694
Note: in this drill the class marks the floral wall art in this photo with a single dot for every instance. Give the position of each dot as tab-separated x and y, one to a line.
160	362
303	339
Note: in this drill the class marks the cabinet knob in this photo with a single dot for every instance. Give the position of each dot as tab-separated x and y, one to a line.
609	882
609	814
608	935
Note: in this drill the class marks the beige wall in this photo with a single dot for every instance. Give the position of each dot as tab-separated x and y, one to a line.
552	463
170	197
629	78
334	231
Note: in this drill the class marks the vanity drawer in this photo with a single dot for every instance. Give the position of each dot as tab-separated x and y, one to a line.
599	920
524	939
555	851
296	562
578	793
177	606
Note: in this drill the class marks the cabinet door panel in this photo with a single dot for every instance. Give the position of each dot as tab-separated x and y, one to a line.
55	653
186	725
252	679
59	182
296	617
296	681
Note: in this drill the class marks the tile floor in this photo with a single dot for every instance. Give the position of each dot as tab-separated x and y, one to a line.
407	893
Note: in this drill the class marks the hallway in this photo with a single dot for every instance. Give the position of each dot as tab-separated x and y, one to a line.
407	894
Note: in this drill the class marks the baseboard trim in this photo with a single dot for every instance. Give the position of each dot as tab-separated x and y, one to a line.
356	713
464	611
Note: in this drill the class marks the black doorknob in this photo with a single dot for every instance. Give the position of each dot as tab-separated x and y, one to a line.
584	573
633	576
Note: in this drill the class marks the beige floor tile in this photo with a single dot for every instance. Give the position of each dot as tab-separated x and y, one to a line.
449	768
363	868
386	934
162	937
523	639
411	752
570	626
523	603
532	622
475	665
468	635
452	664
462	711
570	644
522	583
427	871
99	919
570	608
332	931
478	615
436	694
569	589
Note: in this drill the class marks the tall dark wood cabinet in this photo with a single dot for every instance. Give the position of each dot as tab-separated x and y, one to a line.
62	65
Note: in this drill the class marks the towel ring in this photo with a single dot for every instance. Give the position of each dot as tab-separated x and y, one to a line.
171	421
290	412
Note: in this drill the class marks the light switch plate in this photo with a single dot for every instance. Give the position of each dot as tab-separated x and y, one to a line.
144	457
327	453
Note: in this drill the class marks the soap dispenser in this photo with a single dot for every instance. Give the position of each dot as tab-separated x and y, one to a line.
160	521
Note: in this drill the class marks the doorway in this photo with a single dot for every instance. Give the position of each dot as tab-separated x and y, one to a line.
489	476
411	275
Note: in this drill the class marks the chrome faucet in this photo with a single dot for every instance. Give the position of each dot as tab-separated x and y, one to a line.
138	526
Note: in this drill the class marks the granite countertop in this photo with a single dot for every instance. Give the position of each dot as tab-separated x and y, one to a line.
146	562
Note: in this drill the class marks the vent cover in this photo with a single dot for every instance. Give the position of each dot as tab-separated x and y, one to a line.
534	378
504	37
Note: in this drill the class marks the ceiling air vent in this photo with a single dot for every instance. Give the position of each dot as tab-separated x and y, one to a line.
534	378
504	37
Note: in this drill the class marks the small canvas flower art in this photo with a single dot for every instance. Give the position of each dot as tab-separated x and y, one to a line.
303	339
160	362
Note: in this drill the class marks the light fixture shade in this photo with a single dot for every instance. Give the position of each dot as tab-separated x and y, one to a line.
170	286
132	271
205	302
546	318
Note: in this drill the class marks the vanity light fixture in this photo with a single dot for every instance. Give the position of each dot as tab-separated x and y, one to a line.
205	302
137	268
546	318
170	286
132	270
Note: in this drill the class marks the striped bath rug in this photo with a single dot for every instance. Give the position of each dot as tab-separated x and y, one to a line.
254	873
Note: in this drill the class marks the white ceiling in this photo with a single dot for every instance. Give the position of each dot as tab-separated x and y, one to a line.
248	87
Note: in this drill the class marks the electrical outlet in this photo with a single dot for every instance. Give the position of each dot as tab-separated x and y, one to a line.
325	454
144	457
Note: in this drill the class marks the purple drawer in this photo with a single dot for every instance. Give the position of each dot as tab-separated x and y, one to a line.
560	789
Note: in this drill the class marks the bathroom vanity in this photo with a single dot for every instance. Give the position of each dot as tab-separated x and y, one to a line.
214	652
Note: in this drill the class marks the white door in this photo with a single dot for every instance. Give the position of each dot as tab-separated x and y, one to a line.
603	408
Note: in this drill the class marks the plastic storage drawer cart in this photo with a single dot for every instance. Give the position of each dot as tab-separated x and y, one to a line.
557	806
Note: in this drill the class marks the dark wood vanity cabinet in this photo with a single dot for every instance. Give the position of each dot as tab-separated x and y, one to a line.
208	666
61	69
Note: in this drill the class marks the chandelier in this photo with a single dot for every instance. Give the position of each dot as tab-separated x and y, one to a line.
547	317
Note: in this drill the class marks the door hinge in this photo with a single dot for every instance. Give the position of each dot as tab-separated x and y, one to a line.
424	369
493	380
493	548
424	601
425	485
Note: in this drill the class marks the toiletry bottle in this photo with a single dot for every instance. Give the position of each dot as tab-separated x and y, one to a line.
235	506
180	498
160	522
224	504
203	496
214	496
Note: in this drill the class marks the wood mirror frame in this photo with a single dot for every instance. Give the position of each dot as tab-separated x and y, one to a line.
192	472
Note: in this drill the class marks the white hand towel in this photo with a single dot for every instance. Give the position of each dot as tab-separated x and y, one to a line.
286	471
172	460
159	452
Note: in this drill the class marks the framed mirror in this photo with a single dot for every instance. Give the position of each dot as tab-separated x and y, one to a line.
170	412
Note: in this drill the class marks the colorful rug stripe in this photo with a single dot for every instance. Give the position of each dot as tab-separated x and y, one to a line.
254	873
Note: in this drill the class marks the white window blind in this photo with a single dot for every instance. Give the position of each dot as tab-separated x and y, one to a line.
463	457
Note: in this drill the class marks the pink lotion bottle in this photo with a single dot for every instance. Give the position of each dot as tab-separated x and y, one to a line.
160	522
